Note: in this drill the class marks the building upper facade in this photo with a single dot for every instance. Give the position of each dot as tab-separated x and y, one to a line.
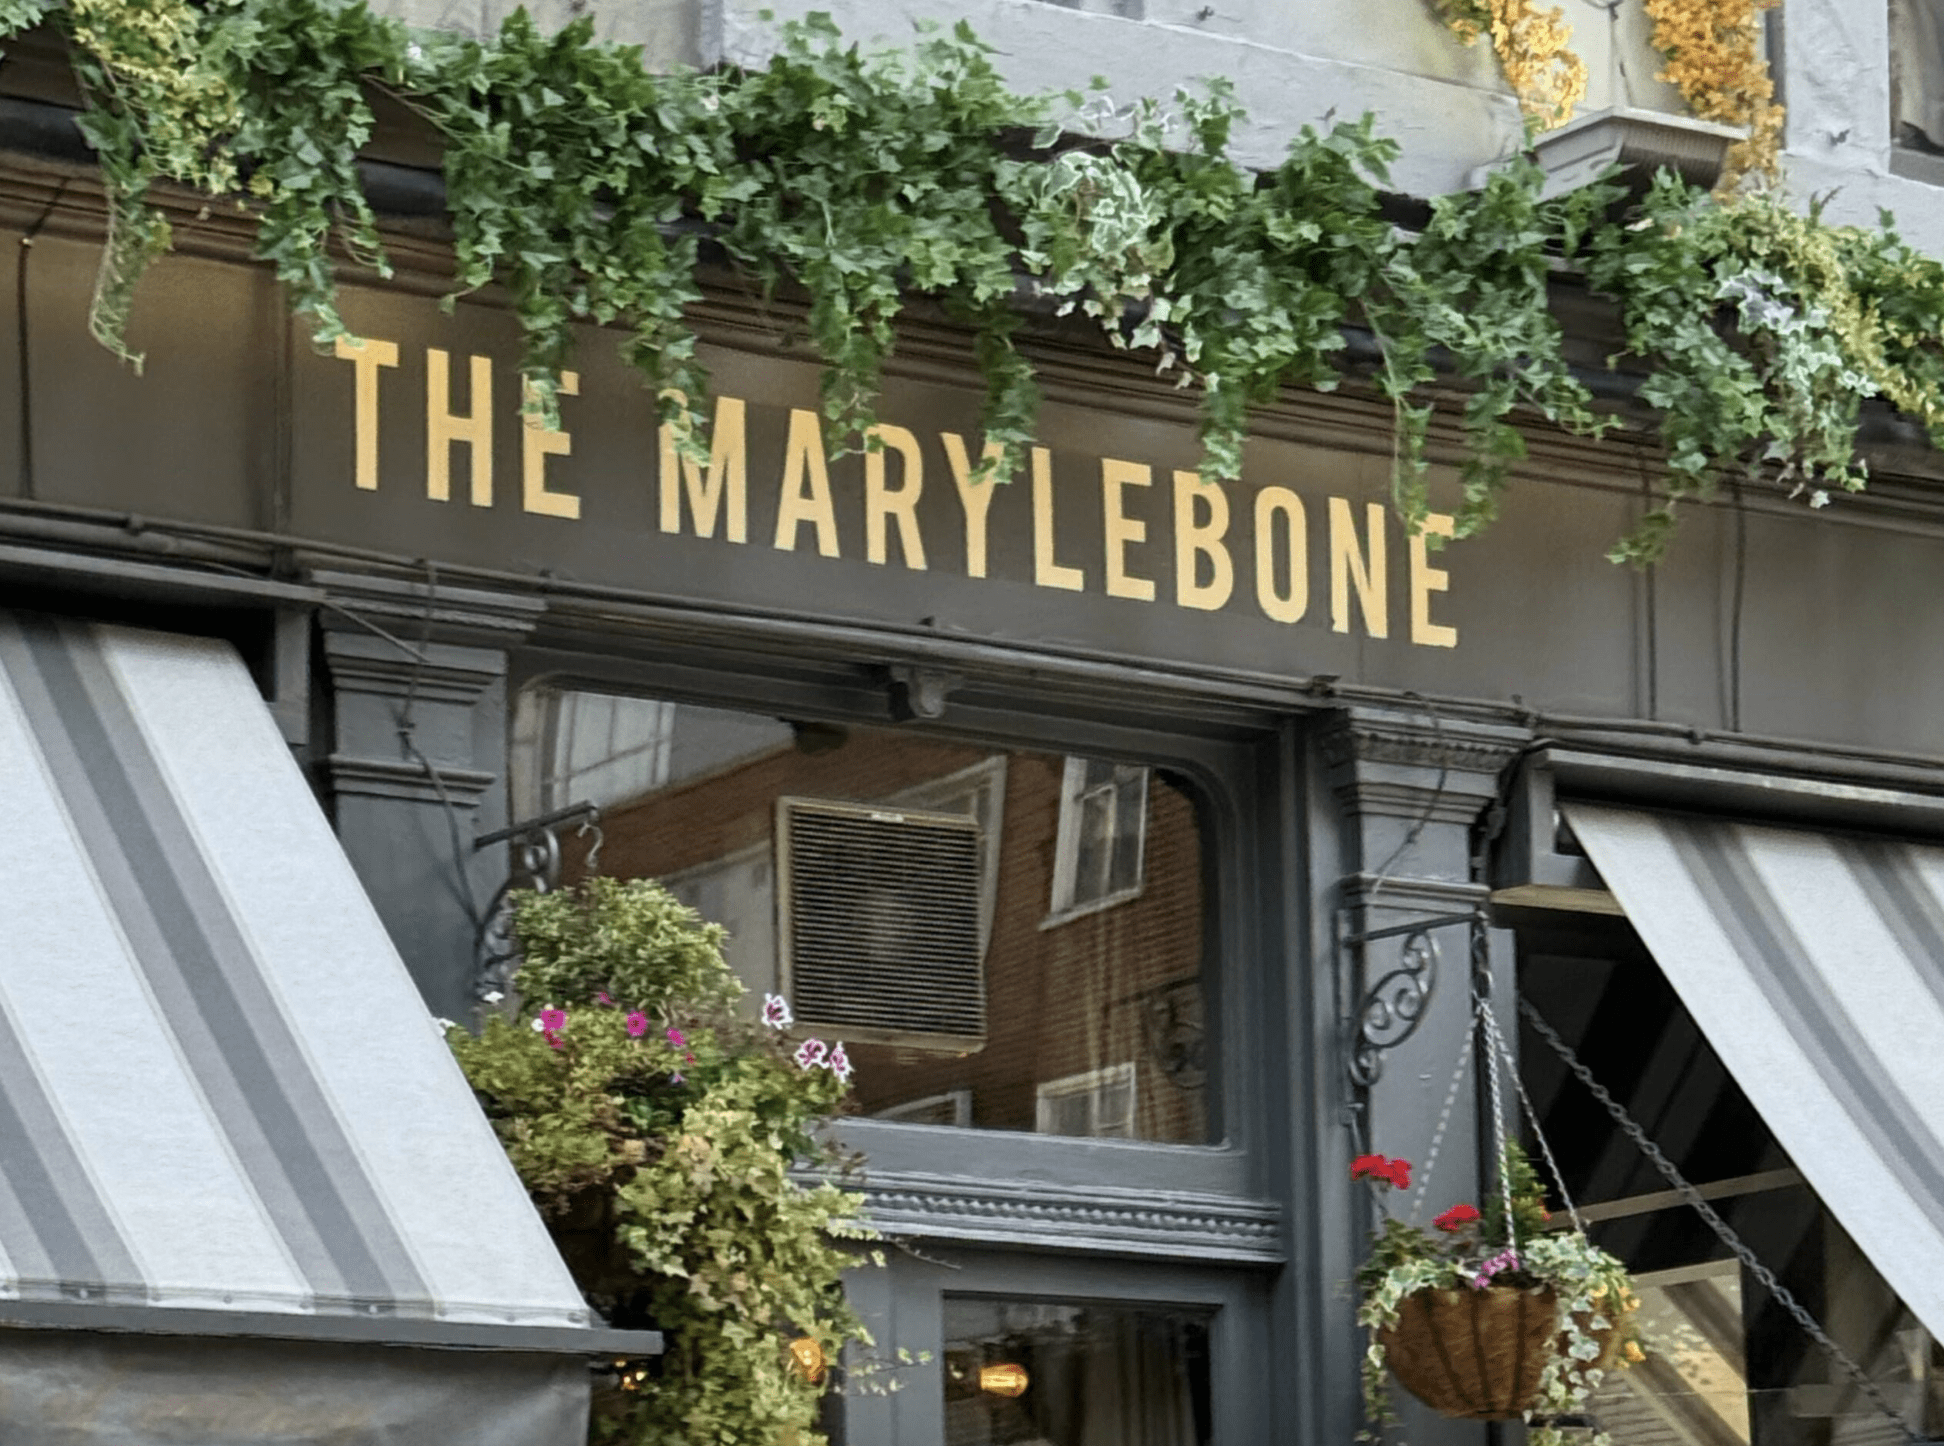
1863	83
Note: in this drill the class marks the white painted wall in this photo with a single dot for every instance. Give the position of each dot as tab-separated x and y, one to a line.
1307	61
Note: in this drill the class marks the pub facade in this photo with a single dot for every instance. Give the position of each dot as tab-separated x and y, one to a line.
1145	839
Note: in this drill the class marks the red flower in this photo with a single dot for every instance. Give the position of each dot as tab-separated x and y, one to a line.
1456	1218
1383	1170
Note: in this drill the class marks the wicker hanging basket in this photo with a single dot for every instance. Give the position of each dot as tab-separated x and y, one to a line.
1479	1354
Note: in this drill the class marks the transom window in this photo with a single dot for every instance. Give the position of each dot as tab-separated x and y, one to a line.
893	886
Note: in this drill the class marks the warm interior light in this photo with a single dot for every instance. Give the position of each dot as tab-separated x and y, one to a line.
807	1359
1004	1380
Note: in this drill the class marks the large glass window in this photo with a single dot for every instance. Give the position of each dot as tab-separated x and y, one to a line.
1727	1364
1007	940
1034	1373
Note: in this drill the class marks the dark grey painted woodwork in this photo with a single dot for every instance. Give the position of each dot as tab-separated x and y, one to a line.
1398	796
435	684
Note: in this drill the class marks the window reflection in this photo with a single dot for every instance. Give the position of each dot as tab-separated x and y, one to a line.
1031	1373
1002	940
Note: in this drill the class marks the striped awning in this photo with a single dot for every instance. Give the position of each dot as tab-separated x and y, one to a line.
221	1098
1814	964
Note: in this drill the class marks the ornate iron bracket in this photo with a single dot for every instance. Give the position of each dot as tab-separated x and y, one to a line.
536	866
1390	1009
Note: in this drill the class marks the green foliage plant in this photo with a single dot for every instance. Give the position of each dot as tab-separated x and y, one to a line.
1764	330
593	192
1468	1249
658	1131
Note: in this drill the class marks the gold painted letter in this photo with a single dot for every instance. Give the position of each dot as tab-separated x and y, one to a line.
1289	605
1196	540
805	494
1349	565
1119	529
1425	580
974	497
1046	571
880	502
726	490
443	428
366	356
537	443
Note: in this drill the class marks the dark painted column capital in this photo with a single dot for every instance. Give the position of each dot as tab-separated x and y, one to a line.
1404	788
417	674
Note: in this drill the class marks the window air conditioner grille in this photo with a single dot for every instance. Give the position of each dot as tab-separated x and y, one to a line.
880	922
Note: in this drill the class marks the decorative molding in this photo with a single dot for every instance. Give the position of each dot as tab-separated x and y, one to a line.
429	611
1107	1219
362	663
407	779
1422	740
1411	897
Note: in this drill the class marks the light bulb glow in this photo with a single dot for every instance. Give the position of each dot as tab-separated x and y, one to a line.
1004	1380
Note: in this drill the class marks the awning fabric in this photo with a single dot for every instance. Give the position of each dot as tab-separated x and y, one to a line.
1814	964
220	1094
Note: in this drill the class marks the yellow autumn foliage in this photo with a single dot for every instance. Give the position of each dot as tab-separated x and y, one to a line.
1713	53
1532	47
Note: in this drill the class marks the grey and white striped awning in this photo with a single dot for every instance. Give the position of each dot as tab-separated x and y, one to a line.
221	1099
1814	964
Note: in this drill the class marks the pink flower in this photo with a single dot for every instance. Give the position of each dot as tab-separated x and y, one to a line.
637	1024
1505	1260
554	1041
811	1053
602	998
676	1079
839	1063
776	1012
552	1019
675	1038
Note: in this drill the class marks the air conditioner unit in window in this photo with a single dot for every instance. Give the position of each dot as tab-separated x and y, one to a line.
878	923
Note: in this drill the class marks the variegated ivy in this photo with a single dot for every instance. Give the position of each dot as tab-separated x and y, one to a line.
1471	1250
659	1130
585	186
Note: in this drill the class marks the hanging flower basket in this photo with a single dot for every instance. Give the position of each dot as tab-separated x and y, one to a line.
1481	1354
1490	1316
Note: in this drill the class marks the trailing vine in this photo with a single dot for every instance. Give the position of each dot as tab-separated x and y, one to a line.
656	1130
589	189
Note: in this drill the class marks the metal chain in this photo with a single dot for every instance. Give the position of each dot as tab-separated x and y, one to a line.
1532	1117
1671	1173
1483	1020
1438	1134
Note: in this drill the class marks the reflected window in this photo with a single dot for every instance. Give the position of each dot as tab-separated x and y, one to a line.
1103	835
1035	1373
894	886
1098	1103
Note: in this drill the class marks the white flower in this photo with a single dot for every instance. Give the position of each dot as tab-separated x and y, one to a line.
538	1024
442	1024
838	1063
492	996
776	1012
812	1053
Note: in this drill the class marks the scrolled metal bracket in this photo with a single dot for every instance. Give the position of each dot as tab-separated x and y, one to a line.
1389	1009
535	867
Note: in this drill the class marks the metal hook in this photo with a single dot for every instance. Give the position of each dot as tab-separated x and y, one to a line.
592	821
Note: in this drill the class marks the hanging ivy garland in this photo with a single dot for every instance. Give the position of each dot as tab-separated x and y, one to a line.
585	186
